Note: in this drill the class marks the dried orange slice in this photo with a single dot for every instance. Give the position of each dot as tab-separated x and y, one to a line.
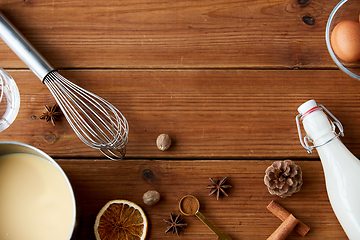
121	220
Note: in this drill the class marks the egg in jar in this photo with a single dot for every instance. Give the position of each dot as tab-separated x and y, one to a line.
345	40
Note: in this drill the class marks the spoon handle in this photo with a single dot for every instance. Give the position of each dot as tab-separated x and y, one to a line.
208	224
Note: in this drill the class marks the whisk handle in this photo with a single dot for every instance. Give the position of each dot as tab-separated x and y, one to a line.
23	49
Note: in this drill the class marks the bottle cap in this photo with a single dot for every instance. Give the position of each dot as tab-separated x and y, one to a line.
307	106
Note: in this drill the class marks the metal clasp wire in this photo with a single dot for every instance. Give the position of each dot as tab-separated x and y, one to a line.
334	124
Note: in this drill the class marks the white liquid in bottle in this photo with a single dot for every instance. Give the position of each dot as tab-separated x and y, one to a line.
341	168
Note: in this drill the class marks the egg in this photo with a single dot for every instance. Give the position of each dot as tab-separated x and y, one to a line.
345	40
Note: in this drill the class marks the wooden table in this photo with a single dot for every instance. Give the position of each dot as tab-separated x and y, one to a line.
222	78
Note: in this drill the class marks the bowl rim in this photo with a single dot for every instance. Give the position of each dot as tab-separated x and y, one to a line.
328	45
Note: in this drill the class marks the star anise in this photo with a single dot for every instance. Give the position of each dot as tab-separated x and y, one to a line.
218	187
50	114
175	224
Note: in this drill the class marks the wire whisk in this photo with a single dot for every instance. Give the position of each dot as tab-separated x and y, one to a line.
94	120
98	123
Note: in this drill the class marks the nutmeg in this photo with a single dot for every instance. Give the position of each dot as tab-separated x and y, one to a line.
151	197
163	142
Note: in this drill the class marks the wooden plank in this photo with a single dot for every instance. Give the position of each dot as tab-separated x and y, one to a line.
208	113
172	34
242	215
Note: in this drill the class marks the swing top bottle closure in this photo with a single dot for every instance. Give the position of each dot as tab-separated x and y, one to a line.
341	167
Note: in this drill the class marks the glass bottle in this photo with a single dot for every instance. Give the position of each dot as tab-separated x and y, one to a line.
341	167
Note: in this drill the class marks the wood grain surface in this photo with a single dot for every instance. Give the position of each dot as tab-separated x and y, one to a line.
213	114
173	34
242	215
223	78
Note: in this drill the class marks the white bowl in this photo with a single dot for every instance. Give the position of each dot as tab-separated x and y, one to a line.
37	191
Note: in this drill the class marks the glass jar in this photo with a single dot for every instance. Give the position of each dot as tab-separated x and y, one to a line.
9	100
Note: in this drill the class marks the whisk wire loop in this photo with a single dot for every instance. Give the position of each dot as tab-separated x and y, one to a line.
94	120
75	119
88	114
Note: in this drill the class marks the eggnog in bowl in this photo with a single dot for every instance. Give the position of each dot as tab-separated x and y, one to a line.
36	199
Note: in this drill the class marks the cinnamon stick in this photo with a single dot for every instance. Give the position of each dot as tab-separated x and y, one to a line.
284	229
282	214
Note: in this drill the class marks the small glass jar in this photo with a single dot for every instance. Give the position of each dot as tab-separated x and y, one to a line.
9	100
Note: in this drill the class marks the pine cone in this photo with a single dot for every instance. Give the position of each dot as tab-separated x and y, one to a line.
283	178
